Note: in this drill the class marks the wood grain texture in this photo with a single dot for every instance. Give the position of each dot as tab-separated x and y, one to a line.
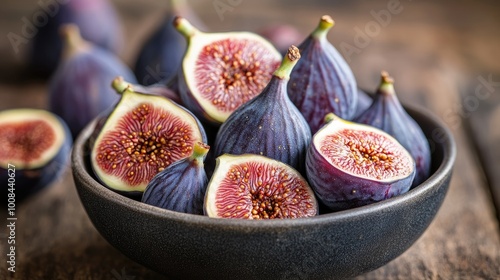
434	49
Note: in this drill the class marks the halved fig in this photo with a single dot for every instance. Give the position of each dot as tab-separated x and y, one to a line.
350	165
256	187
142	136
181	186
34	150
222	71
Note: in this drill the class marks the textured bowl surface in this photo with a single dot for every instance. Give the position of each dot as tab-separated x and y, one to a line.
329	246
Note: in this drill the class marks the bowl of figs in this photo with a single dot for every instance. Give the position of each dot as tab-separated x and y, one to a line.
260	164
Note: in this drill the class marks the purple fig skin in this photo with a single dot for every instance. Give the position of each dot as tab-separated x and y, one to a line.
97	20
335	187
80	88
387	114
322	82
30	181
364	102
339	190
161	55
181	186
269	124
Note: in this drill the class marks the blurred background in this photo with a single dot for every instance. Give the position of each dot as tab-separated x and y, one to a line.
443	55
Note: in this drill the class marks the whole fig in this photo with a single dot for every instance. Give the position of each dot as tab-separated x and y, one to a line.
322	82
387	113
350	165
80	88
97	20
181	186
161	55
269	124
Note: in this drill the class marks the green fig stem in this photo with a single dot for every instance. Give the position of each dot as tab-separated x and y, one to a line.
325	24
330	117
200	150
185	27
73	41
289	61
386	84
120	85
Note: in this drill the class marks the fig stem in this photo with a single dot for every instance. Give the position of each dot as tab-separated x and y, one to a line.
185	27
289	61
330	117
325	24
73	41
200	150
386	84
120	85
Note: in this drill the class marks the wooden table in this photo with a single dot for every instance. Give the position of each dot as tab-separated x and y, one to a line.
443	56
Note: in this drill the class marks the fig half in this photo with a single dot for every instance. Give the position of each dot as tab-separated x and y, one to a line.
256	187
350	165
222	71
142	136
387	113
322	82
34	150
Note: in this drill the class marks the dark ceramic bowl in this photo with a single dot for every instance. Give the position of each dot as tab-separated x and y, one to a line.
336	245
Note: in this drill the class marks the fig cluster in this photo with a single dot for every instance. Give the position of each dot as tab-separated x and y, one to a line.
227	125
242	132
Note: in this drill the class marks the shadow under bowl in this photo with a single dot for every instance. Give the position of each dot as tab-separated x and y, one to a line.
335	245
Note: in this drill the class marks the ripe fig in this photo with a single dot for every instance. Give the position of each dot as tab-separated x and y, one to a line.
142	136
35	148
79	89
256	187
97	20
322	82
161	55
181	186
222	71
350	165
269	124
388	114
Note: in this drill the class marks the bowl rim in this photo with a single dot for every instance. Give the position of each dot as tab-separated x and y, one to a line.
443	170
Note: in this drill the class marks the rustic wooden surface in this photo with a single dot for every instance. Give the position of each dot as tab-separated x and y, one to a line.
439	53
